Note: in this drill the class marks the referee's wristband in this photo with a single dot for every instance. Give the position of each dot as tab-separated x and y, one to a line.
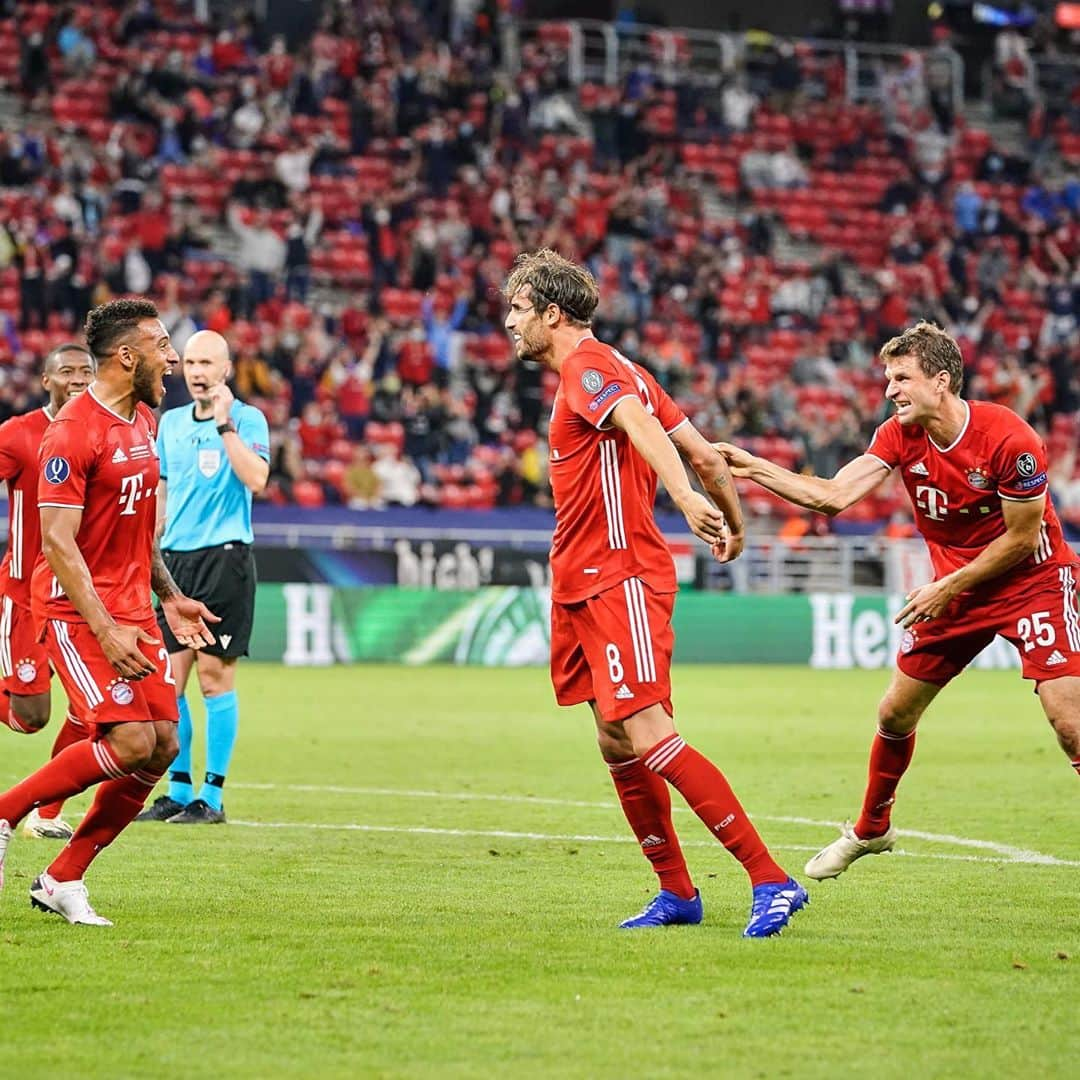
223	429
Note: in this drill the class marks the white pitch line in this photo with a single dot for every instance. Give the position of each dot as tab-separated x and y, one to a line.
1008	853
578	838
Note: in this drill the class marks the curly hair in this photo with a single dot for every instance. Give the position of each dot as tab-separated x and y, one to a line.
108	324
555	280
934	350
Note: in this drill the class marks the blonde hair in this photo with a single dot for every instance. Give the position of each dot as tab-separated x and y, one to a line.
555	280
933	348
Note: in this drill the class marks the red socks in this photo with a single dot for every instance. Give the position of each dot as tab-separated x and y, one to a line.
114	808
710	796
646	803
71	771
890	756
72	732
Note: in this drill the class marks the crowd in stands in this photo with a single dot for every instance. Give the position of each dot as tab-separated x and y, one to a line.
345	212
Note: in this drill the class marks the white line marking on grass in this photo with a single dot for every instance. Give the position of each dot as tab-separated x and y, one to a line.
583	838
1007	852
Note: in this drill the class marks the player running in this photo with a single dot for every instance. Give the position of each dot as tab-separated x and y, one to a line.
613	583
90	593
26	702
977	477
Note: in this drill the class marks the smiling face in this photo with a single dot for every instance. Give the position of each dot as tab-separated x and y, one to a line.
528	327
155	360
916	396
67	374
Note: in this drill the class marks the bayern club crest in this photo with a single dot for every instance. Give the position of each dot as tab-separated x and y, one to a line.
592	381
907	642
979	478
121	693
26	670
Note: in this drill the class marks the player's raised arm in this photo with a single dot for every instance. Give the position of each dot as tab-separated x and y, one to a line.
824	495
652	443
711	468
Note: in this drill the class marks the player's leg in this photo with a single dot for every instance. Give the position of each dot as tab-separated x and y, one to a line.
1060	699
646	803
217	680
29	713
45	822
890	754
60	889
24	666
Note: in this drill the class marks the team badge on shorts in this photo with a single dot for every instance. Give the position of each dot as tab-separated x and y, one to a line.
26	670
979	478
1026	465
907	642
120	692
592	381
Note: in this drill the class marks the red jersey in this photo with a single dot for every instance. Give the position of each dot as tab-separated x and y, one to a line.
95	460
20	439
603	488
957	490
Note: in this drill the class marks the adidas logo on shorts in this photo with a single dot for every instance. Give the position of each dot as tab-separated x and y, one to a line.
624	693
1052	660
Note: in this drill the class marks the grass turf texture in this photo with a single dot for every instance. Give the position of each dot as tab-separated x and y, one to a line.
295	952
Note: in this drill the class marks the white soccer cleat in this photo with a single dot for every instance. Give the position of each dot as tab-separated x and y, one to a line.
37	827
5	837
833	860
65	898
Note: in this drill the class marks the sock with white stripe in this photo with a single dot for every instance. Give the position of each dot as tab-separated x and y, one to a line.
180	788
71	732
709	795
8	717
1076	766
646	802
222	722
72	770
114	808
890	755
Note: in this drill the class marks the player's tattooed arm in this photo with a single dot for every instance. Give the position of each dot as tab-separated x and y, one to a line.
711	469
161	581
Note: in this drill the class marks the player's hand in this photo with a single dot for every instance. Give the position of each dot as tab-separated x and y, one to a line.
926	602
705	521
221	401
740	461
187	620
730	546
120	644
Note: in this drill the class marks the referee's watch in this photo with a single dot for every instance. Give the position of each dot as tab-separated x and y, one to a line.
224	429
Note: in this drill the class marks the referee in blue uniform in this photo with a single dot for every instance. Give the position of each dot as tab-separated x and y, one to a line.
215	455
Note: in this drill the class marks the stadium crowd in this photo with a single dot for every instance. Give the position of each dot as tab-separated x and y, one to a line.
345	214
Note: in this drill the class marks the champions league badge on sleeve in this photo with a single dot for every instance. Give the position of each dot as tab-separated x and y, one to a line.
592	381
1026	465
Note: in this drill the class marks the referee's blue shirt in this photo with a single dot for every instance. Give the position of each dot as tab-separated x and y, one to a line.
208	504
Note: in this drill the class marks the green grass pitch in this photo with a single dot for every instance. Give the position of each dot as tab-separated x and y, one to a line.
425	868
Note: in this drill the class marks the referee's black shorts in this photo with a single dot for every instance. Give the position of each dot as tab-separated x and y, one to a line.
223	578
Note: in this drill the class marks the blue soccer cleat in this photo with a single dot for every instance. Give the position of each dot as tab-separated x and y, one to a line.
773	907
666	909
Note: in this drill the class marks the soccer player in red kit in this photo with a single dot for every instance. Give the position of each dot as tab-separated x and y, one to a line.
90	595
26	701
613	582
977	477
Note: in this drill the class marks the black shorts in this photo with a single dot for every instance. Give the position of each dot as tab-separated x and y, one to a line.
223	578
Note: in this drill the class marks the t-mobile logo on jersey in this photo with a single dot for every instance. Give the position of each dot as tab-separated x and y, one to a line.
932	502
131	491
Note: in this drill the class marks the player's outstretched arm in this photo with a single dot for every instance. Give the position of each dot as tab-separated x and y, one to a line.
825	496
711	468
59	527
651	442
187	618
